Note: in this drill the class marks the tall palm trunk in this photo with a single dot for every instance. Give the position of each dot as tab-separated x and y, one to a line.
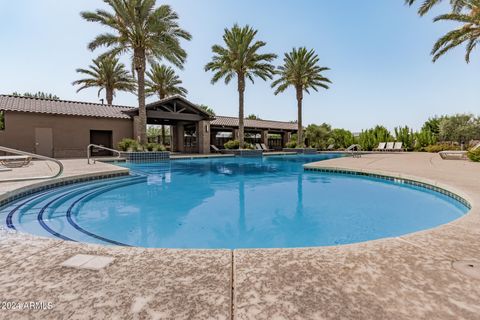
139	60
241	92
109	94
299	121
161	95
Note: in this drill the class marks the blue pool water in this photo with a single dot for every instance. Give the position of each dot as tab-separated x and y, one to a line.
231	203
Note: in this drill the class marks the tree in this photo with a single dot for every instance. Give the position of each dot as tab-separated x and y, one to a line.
317	135
164	82
253	117
468	33
38	95
240	58
147	33
460	128
106	73
342	138
369	139
207	109
301	71
427	5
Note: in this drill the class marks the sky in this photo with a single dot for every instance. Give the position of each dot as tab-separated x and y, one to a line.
378	52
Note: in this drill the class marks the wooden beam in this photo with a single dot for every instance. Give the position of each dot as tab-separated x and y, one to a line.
173	116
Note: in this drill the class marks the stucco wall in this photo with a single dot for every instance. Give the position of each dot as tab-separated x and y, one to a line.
71	135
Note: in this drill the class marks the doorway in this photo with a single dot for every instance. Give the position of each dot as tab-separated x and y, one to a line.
44	141
102	138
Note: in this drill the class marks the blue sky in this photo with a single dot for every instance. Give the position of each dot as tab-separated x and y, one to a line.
378	51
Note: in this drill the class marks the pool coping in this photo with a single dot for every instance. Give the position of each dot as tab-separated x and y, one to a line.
250	263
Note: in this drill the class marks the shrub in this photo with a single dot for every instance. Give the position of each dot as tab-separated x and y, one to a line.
406	136
370	139
127	144
232	144
474	155
249	146
441	147
291	144
423	139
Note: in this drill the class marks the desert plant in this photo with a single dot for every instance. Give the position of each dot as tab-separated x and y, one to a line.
341	138
369	139
441	147
317	135
424	138
232	144
474	155
291	144
127	144
406	136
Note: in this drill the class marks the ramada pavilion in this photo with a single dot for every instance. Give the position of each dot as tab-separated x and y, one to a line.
64	129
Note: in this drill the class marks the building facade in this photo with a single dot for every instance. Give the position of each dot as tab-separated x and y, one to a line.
64	129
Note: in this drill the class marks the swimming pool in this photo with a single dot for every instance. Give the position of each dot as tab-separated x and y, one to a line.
267	202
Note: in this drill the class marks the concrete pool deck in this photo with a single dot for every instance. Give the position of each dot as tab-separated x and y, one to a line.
409	277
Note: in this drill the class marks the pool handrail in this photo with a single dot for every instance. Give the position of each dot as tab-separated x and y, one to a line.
89	155
33	155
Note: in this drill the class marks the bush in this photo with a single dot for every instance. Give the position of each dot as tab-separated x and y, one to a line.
406	136
131	145
249	146
474	155
128	144
232	144
291	144
369	139
441	147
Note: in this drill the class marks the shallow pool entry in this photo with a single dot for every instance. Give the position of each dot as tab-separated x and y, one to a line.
268	202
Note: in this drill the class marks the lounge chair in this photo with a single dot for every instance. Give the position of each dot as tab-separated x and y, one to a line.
455	154
331	147
258	146
264	147
15	161
381	146
390	146
398	147
215	149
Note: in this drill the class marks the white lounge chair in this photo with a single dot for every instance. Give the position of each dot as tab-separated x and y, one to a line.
258	146
264	147
381	146
390	146
15	161
331	147
455	154
398	147
215	149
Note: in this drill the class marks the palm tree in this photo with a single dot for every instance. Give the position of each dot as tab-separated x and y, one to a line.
469	33
163	82
146	32
300	70
107	74
240	58
427	5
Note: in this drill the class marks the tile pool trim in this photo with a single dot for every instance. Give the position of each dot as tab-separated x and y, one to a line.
397	179
22	192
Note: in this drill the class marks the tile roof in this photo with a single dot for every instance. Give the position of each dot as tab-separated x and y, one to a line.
257	124
62	107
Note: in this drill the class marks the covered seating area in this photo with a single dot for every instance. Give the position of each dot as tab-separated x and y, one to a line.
193	130
273	134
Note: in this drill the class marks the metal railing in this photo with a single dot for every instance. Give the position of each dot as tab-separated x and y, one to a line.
355	149
89	149
36	156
